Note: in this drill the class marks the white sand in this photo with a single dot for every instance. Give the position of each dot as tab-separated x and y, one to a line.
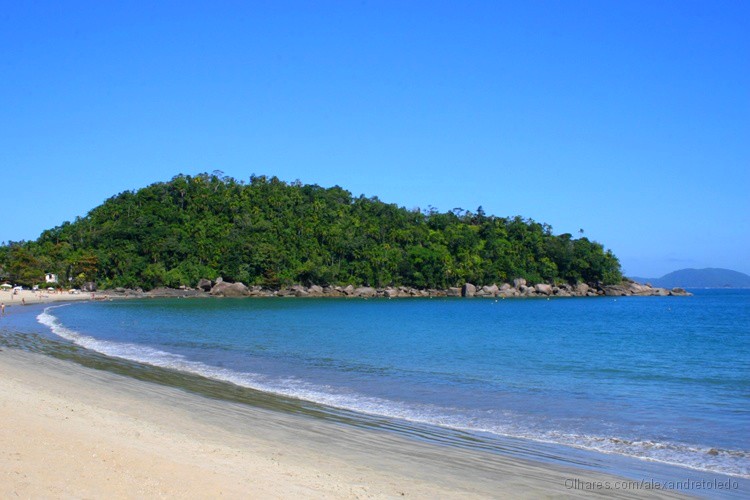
27	297
70	431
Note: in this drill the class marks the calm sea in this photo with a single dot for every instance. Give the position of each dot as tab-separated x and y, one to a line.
657	379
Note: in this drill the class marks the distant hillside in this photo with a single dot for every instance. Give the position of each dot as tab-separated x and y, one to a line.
700	278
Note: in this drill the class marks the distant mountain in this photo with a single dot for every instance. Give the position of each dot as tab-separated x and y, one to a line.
700	278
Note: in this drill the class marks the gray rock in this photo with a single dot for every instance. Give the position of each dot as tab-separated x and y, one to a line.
222	289
490	290
468	290
519	282
315	290
298	291
349	290
582	288
616	291
453	292
365	291
205	285
636	289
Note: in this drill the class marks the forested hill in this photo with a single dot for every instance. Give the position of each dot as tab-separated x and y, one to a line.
271	233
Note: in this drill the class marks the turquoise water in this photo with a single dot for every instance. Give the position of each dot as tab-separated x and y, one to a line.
660	379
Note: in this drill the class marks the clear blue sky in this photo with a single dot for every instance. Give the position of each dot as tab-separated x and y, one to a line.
628	119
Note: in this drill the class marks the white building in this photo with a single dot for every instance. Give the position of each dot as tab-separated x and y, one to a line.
50	278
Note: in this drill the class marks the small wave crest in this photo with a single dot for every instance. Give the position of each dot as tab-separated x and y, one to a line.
723	461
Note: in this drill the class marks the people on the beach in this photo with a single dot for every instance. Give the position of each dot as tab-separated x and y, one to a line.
2	308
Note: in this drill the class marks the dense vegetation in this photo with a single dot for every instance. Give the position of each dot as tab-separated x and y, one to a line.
271	233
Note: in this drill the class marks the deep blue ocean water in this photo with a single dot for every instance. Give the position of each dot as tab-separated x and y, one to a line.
662	379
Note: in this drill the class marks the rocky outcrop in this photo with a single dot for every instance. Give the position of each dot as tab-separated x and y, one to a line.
365	291
616	291
468	290
488	291
505	290
543	289
631	288
164	292
120	292
223	289
205	285
293	291
333	291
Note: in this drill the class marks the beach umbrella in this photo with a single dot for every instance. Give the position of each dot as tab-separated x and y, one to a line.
5	285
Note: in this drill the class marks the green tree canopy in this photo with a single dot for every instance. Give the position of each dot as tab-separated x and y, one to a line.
272	233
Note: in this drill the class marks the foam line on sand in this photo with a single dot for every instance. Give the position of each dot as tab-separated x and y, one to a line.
72	431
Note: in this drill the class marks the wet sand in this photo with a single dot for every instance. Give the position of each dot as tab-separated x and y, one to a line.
72	431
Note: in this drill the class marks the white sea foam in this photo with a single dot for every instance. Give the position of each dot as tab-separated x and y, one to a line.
730	462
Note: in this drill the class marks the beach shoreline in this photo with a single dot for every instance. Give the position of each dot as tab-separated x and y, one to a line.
12	298
73	431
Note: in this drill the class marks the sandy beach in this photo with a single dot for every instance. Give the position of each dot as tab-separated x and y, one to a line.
73	431
28	297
